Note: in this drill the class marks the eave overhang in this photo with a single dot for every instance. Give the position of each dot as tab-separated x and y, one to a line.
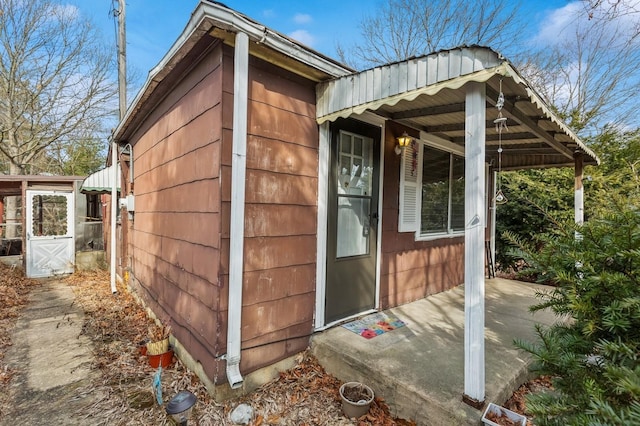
213	22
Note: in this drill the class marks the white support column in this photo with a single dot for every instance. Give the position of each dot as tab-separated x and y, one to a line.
578	198
474	215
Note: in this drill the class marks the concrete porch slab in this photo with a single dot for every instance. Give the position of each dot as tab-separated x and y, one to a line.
419	369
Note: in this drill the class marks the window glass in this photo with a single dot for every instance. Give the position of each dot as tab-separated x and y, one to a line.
435	191
49	215
457	194
354	195
442	209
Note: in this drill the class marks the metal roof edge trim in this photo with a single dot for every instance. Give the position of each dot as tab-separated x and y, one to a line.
455	83
541	104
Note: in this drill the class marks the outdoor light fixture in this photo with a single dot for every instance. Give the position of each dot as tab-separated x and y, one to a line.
403	142
179	408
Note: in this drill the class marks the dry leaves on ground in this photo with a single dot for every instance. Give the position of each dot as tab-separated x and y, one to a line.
14	296
304	395
517	402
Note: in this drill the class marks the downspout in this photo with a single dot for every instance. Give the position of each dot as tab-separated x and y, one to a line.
236	234
114	202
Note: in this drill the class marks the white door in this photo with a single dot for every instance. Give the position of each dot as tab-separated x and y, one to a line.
50	230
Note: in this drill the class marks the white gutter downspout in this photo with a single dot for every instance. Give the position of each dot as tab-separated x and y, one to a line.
236	235
114	216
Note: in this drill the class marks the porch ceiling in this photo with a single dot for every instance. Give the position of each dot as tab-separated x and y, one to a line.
427	94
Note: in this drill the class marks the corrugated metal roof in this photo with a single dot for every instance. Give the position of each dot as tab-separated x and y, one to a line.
100	182
423	93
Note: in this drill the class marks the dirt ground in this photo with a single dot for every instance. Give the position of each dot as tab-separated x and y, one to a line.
122	391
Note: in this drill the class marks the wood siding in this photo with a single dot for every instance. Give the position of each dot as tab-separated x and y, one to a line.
411	269
175	246
179	239
280	212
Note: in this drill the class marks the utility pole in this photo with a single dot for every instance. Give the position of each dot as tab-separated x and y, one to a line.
122	92
122	59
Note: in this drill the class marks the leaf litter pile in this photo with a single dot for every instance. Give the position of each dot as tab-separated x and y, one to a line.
303	395
122	391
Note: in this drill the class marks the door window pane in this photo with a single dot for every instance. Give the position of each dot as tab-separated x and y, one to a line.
49	215
353	226
355	171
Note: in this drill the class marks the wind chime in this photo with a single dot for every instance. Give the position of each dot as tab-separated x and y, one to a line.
501	125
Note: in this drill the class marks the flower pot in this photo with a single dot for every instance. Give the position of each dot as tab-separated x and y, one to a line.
356	399
495	412
161	360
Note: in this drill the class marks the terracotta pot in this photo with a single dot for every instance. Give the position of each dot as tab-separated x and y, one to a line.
164	359
359	405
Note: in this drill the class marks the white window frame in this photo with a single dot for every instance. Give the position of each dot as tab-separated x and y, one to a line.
410	197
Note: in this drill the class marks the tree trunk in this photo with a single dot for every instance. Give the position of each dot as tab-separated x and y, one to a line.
12	210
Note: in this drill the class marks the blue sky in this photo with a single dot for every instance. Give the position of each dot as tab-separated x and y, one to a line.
153	25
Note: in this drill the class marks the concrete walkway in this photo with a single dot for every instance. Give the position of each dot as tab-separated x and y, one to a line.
52	360
419	369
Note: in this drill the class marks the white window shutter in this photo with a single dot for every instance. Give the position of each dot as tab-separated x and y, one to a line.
408	219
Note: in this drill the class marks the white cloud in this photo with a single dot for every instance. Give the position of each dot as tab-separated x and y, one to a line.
68	11
558	21
562	23
303	36
302	18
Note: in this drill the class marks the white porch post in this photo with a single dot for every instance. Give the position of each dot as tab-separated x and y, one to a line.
474	216
578	198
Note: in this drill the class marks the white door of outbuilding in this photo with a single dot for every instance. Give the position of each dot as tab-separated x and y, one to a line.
50	233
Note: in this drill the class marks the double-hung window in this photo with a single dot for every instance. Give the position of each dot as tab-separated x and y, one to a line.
431	192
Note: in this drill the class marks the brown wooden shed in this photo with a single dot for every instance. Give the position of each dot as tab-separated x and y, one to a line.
269	199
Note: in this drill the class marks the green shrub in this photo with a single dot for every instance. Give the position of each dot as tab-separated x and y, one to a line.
593	351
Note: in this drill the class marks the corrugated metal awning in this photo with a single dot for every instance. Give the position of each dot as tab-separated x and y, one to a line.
424	93
100	181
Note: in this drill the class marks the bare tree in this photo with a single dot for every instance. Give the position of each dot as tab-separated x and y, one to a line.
404	28
589	72
54	79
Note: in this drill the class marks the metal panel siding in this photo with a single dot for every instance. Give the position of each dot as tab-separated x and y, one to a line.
466	65
377	83
403	75
454	64
432	70
412	75
443	66
385	74
370	85
421	78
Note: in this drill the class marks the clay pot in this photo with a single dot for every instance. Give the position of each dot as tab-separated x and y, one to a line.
161	360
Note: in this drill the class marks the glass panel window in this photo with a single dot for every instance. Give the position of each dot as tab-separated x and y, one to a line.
354	195
442	209
457	194
49	215
353	226
354	174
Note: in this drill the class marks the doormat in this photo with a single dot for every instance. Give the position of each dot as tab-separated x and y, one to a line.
374	325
